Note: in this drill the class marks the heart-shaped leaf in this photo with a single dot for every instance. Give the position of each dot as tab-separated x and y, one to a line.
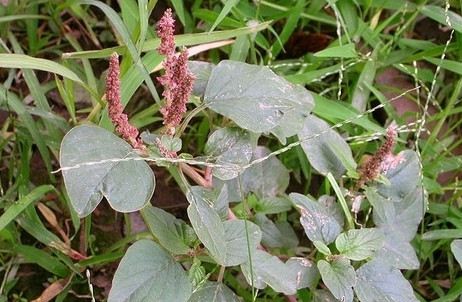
379	282
326	150
339	276
96	164
257	99
147	272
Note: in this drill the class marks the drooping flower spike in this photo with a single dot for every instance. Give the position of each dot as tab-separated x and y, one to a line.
113	98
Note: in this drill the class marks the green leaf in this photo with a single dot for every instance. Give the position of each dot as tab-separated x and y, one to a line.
242	237
339	277
276	235
180	40
91	158
359	244
171	232
202	72
147	272
273	205
208	226
318	223
450	65
28	62
270	270
438	14
230	147
14	210
229	4
254	97
343	51
31	254
398	209
214	292
456	248
228	242
326	150
322	248
323	295
378	282
341	111
256	178
304	271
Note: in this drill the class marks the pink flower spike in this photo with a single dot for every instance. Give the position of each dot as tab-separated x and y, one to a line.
177	79
382	160
115	108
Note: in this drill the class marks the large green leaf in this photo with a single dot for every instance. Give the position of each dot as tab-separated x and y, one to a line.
377	282
326	150
171	232
304	271
399	207
276	235
456	248
270	270
230	147
208	226
318	223
95	164
214	292
267	178
339	277
359	244
229	242
242	237
256	98
148	273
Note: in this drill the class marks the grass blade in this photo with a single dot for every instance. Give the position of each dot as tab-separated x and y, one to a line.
23	203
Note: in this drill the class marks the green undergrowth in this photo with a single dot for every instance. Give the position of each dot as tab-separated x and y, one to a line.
366	65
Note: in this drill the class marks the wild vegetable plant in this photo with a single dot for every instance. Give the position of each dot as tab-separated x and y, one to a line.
252	231
361	235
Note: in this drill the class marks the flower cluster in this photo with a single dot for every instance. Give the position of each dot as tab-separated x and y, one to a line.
120	120
178	81
382	160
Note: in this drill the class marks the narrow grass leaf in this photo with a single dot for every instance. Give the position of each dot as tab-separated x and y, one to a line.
341	111
31	254
126	37
361	93
450	65
14	210
442	234
439	14
14	103
28	62
22	17
343	51
181	40
226	9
